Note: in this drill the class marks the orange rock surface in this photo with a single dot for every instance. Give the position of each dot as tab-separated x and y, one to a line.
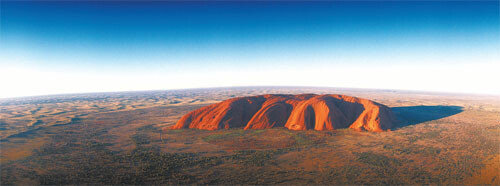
295	112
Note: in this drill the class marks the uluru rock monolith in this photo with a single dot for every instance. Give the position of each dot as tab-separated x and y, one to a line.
295	112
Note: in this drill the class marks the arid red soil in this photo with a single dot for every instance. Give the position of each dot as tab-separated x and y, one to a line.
295	112
115	138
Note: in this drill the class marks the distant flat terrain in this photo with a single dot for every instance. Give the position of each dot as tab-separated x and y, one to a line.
116	138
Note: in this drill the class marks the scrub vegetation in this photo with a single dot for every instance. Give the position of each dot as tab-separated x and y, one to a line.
128	147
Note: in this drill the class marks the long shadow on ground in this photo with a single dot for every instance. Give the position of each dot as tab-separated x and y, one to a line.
418	114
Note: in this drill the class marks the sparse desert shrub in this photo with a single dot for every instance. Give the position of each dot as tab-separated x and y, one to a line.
141	139
225	134
377	160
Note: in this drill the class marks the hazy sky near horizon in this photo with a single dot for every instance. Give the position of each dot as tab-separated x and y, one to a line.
73	47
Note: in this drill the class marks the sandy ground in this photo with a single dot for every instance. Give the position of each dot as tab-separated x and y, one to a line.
438	143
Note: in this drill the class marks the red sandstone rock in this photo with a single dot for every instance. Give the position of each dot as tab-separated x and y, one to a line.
295	112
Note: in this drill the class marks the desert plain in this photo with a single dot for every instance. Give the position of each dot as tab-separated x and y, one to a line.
123	138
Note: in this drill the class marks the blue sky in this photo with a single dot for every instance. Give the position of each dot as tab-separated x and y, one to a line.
89	46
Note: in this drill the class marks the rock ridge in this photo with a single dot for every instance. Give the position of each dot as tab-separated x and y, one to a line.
295	112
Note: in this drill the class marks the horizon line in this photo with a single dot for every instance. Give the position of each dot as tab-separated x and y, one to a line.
255	86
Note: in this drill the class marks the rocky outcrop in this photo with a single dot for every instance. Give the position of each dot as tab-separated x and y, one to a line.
295	112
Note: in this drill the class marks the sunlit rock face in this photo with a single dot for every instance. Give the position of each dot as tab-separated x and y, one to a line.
295	112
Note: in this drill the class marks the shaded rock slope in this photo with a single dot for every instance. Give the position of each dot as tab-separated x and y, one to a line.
295	112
